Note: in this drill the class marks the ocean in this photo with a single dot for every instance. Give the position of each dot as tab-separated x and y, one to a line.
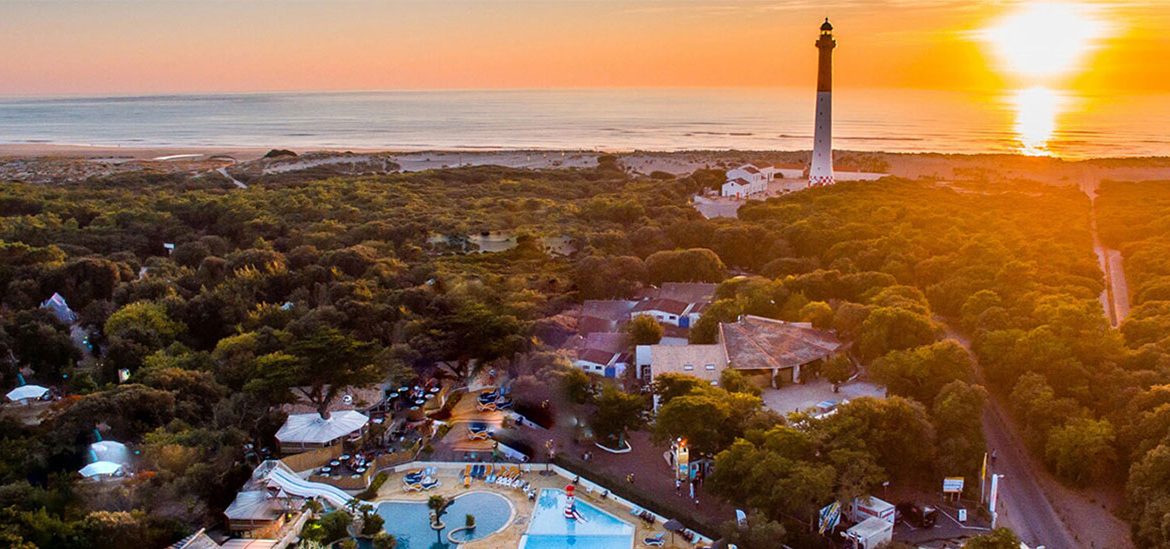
1035	121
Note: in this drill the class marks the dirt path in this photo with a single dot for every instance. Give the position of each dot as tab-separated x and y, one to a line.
1032	502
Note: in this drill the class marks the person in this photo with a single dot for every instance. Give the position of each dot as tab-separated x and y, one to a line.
994	454
677	485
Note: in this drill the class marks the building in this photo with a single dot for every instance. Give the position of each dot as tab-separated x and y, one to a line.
747	180
603	353
821	168
302	432
775	349
257	513
665	311
770	352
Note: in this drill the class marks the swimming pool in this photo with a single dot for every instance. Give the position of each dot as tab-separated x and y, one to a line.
410	521
550	530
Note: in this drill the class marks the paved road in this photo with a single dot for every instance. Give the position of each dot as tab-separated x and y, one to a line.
1024	505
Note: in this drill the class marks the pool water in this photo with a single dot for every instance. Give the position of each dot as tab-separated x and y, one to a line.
550	529
410	522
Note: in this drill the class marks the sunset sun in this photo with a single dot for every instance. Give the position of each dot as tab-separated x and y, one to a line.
1046	40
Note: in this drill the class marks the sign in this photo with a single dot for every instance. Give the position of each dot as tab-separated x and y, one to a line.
828	517
992	499
962	515
682	460
953	485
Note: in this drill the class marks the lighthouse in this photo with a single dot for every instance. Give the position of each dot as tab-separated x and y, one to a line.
820	172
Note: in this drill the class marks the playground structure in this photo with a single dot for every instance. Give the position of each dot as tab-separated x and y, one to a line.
491	401
571	512
478	431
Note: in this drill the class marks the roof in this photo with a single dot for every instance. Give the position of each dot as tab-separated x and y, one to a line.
198	540
610	309
597	356
755	343
312	429
738	181
613	342
249	543
360	399
826	26
669	306
61	310
749	168
674	359
591	324
253	505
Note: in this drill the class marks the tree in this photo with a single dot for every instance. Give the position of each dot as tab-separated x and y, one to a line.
383	540
438	506
331	527
328	363
920	373
957	413
617	412
606	277
891	329
644	330
819	313
1000	538
693	265
838	369
670	385
1148	497
575	384
733	381
1081	450
760	532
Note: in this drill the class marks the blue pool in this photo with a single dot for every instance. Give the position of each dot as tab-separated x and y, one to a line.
410	522
550	530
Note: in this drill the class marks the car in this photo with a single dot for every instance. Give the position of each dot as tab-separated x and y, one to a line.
921	516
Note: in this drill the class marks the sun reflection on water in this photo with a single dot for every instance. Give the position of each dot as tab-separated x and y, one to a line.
1036	112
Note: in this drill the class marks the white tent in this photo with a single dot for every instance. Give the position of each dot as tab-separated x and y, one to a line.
302	431
99	468
108	450
56	304
253	505
26	392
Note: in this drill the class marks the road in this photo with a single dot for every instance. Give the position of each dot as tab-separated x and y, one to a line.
1033	503
1115	298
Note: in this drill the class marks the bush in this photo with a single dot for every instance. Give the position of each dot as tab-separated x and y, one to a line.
371	491
469	520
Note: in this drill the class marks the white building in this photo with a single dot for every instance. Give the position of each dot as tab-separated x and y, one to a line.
748	180
705	362
668	311
302	432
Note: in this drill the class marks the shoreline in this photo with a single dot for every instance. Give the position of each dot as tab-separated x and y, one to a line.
247	152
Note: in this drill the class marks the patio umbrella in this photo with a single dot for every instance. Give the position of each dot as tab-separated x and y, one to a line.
26	392
672	526
100	468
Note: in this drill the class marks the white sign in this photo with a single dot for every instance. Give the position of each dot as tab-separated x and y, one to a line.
953	485
994	497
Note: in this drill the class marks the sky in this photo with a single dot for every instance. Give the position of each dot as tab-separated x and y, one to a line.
113	47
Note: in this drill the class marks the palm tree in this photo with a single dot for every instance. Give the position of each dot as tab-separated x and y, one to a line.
438	506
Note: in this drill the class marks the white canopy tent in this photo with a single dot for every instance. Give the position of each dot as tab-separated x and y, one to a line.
100	468
304	431
26	393
109	450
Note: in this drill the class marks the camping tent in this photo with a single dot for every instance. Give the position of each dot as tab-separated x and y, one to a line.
100	468
26	393
304	431
108	450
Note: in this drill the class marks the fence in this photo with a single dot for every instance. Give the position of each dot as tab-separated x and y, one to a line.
312	459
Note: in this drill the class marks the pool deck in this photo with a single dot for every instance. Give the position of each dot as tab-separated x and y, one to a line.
452	486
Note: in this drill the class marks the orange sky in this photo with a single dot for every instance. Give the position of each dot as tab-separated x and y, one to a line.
117	47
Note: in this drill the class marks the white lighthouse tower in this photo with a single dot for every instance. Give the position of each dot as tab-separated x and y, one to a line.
820	172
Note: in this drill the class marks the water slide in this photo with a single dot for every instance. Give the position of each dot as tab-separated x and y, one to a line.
282	476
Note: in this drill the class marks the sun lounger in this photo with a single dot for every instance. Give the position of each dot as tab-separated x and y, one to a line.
658	540
429	483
